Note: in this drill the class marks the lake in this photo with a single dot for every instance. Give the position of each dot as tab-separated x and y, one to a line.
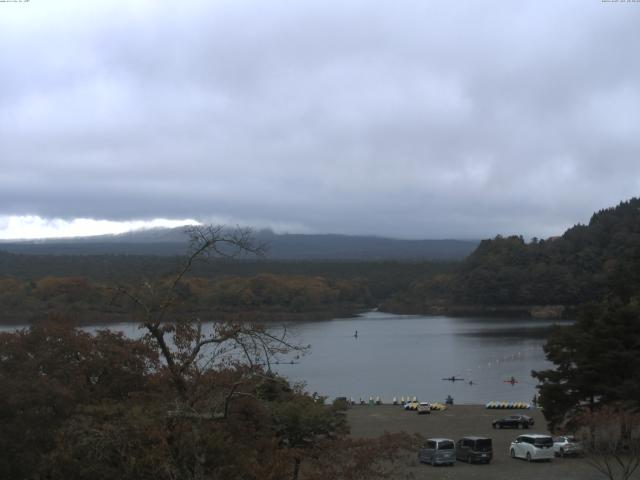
409	355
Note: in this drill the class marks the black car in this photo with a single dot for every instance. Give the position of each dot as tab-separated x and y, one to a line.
474	449
513	421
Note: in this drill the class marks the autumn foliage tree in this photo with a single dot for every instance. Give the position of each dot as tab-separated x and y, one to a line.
50	370
189	400
596	362
611	441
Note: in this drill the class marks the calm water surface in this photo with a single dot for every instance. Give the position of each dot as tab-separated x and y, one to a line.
408	355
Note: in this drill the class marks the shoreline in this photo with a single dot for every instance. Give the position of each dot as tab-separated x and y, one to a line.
98	318
542	312
90	318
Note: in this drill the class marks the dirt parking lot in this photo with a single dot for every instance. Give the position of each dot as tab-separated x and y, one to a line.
456	422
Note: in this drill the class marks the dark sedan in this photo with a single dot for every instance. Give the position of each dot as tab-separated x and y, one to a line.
513	421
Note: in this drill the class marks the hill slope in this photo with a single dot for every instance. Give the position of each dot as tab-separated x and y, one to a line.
281	247
585	264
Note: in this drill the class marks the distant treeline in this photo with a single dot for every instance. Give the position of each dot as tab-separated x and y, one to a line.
587	263
84	287
506	274
86	300
383	278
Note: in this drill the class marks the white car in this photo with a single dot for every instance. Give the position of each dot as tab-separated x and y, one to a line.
424	407
566	445
532	447
412	405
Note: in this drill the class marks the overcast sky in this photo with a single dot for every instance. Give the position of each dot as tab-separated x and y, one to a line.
413	119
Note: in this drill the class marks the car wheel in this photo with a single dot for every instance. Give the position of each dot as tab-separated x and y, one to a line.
499	426
528	457
513	453
520	426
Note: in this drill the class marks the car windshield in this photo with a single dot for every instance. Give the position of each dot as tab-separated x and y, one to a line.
543	442
572	439
446	445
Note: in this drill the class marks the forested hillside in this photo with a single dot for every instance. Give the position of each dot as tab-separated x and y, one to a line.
79	285
263	297
587	263
505	274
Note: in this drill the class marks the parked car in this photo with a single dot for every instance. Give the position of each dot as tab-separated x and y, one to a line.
566	445
474	449
513	421
413	405
438	451
532	447
424	407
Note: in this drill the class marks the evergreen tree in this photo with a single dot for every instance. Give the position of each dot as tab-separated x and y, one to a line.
596	362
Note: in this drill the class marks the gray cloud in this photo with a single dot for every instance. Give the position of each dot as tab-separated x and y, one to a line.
412	119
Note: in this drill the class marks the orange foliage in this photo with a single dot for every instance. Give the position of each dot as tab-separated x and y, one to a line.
289	291
10	286
72	287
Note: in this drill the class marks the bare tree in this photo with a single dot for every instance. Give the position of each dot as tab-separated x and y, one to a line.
611	441
186	347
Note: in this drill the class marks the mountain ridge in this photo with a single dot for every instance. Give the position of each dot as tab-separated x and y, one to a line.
329	246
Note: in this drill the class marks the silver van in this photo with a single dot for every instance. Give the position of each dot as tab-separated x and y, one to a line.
438	451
